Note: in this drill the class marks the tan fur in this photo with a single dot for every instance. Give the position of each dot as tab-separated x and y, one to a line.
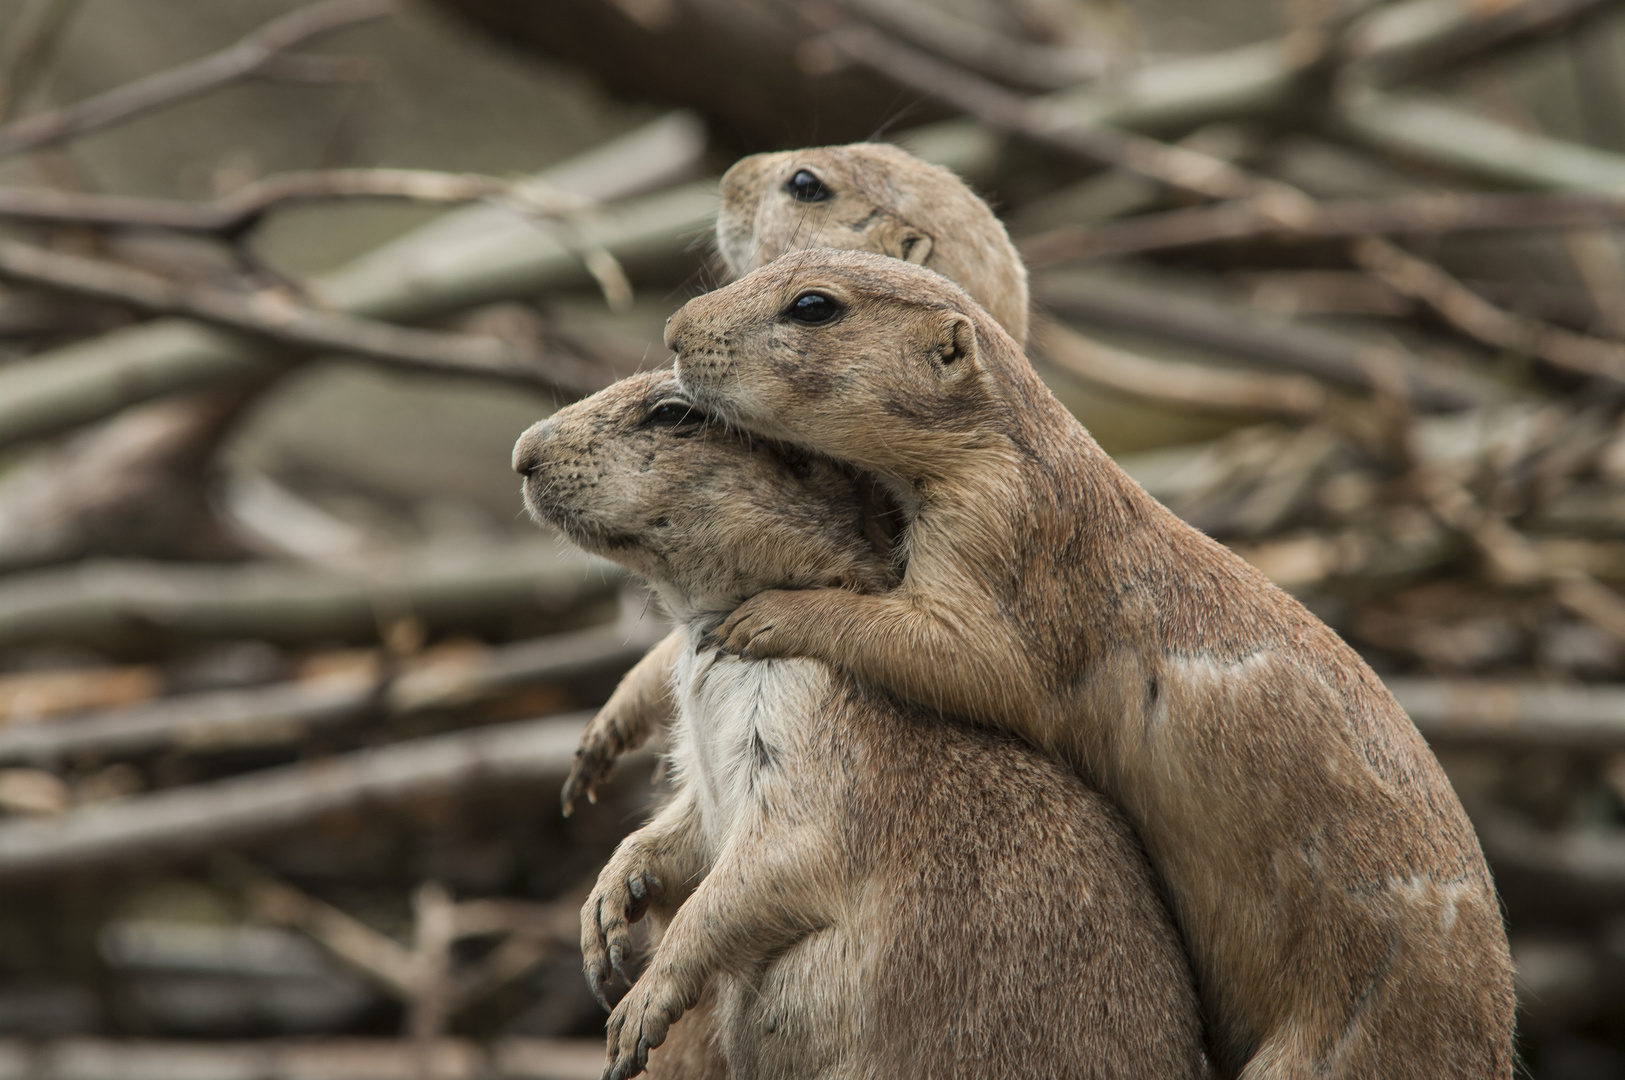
876	198
895	895
1331	891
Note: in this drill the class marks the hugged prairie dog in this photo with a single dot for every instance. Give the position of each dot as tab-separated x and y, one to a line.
1338	911
863	197
869	891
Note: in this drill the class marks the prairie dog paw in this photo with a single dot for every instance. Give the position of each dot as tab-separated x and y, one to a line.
623	893
639	1024
595	759
756	629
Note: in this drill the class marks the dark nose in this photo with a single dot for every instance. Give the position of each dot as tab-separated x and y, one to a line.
527	452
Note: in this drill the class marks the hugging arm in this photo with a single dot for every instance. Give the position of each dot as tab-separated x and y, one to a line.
771	886
640	706
961	659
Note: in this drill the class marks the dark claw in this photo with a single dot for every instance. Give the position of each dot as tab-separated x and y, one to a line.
616	957
635	886
595	981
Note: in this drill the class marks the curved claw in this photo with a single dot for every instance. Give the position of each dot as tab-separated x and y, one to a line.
595	982
617	958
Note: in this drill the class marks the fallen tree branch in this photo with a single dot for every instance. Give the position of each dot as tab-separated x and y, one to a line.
1429	214
1404	42
185	821
277	317
1514	713
1185	386
96	600
260	54
1052	124
286	712
474	255
233	214
1434	131
278	1059
1480	319
982	49
1328	356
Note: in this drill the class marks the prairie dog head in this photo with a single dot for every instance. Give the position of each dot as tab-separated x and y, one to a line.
880	363
872	197
638	475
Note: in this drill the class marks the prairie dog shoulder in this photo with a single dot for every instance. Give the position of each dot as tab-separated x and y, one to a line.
872	197
870	891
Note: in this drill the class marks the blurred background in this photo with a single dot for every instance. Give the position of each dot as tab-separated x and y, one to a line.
288	685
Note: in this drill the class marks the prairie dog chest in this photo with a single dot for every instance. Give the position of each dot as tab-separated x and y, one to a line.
740	725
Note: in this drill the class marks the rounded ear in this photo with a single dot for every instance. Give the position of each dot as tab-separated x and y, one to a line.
956	351
895	237
914	247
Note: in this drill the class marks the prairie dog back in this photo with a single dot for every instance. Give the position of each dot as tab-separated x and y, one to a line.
868	890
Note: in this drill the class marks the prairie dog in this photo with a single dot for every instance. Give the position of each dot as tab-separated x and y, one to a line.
872	197
1338	911
864	197
868	891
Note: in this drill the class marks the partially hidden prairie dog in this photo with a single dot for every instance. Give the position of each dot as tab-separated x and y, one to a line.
1338	911
862	197
868	891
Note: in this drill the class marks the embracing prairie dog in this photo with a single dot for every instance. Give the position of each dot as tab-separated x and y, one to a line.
863	197
866	890
1338	911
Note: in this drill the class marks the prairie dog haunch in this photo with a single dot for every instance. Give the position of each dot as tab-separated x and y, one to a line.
868	890
1330	889
868	197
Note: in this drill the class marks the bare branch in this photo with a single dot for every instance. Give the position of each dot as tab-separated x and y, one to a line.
981	49
1433	213
1049	122
99	599
86	1058
1514	713
1329	356
286	712
258	54
1480	319
1185	386
277	317
233	214
184	821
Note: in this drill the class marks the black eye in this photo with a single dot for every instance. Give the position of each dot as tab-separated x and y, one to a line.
674	414
805	187
813	308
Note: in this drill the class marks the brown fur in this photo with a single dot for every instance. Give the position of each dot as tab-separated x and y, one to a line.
871	892
876	198
1331	891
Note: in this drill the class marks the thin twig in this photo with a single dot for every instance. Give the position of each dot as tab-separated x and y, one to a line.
232	214
277	317
260	54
